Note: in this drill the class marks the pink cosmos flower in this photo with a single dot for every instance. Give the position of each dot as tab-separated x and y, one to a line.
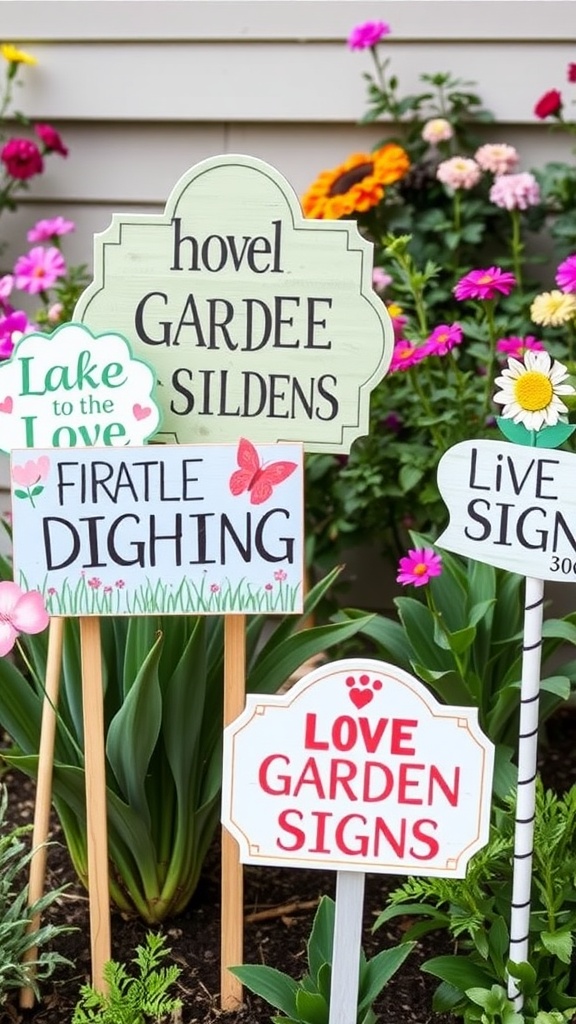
39	269
566	274
22	159
51	139
443	338
44	230
484	284
406	354
380	279
438	129
516	347
497	157
12	327
362	37
418	567
515	191
31	472
459	172
20	612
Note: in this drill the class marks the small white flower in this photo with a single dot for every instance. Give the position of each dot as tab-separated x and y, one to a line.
530	391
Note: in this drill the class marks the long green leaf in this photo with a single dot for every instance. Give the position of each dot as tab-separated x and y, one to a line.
321	941
379	970
276	988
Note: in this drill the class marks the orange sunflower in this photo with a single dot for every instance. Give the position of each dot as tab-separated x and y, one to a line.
356	185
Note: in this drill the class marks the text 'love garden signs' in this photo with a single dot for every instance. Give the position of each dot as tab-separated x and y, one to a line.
358	768
512	506
74	389
160	529
258	321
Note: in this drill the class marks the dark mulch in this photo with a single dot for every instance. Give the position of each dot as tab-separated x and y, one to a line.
279	940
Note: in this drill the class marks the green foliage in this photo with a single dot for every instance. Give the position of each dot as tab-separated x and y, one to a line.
475	911
16	915
308	1001
142	999
163	680
463	638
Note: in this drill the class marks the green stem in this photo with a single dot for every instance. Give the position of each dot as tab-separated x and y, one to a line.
438	439
489	307
516	247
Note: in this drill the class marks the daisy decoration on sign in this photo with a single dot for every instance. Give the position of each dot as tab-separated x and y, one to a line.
531	393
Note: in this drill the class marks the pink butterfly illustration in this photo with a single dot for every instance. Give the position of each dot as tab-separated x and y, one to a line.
256	478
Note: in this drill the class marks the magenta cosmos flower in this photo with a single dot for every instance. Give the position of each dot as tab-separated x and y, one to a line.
406	354
44	230
12	327
362	37
516	347
20	612
418	567
443	338
484	284
39	269
566	274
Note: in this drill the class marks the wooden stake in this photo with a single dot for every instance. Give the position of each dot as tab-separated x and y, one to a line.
95	772
232	893
43	789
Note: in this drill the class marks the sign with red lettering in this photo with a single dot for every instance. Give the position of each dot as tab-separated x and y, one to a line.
358	767
257	320
512	506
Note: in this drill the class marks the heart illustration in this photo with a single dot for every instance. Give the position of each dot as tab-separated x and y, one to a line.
360	698
7	405
141	411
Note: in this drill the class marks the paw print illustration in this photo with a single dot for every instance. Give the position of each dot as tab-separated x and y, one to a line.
361	691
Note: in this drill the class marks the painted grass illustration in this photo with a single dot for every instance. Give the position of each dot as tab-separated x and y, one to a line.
92	595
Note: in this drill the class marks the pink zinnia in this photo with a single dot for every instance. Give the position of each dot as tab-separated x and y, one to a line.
566	274
497	157
459	172
12	327
443	338
516	347
418	567
436	130
515	191
39	269
406	354
484	284
51	139
44	230
22	159
362	37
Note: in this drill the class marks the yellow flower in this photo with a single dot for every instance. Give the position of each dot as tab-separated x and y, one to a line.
531	391
356	185
552	309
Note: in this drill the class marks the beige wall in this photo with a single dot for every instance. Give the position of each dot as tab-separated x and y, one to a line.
143	89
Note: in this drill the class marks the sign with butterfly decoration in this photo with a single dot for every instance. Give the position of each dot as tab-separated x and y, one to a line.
176	529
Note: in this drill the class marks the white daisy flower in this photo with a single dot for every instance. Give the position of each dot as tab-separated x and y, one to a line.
530	391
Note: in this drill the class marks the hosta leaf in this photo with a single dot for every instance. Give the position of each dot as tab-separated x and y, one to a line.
276	988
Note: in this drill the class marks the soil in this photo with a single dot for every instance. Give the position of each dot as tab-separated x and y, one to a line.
279	908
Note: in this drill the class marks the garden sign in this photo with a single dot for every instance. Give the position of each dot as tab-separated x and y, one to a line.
261	325
357	768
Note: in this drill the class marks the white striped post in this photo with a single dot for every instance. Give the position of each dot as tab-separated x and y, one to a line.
527	768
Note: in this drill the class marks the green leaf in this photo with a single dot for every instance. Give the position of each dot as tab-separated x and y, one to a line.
276	988
546	437
379	970
311	1007
321	941
558	943
458	971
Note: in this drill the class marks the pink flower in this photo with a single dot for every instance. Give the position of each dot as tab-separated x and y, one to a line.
549	105
418	567
120	584
459	172
380	279
95	582
484	284
438	129
362	37
268	586
52	591
20	612
44	230
108	590
39	269
571	73
566	274
515	191
280	575
22	159
214	588
54	313
31	472
406	354
6	286
12	327
497	157
51	139
442	339
516	347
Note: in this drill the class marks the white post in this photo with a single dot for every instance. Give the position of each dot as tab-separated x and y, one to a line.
346	949
526	793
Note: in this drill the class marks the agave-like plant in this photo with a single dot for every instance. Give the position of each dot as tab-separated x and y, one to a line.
163	680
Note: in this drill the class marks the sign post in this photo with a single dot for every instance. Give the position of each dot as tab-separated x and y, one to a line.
261	324
357	768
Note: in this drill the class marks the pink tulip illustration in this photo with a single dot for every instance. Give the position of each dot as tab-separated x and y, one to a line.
29	476
20	612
